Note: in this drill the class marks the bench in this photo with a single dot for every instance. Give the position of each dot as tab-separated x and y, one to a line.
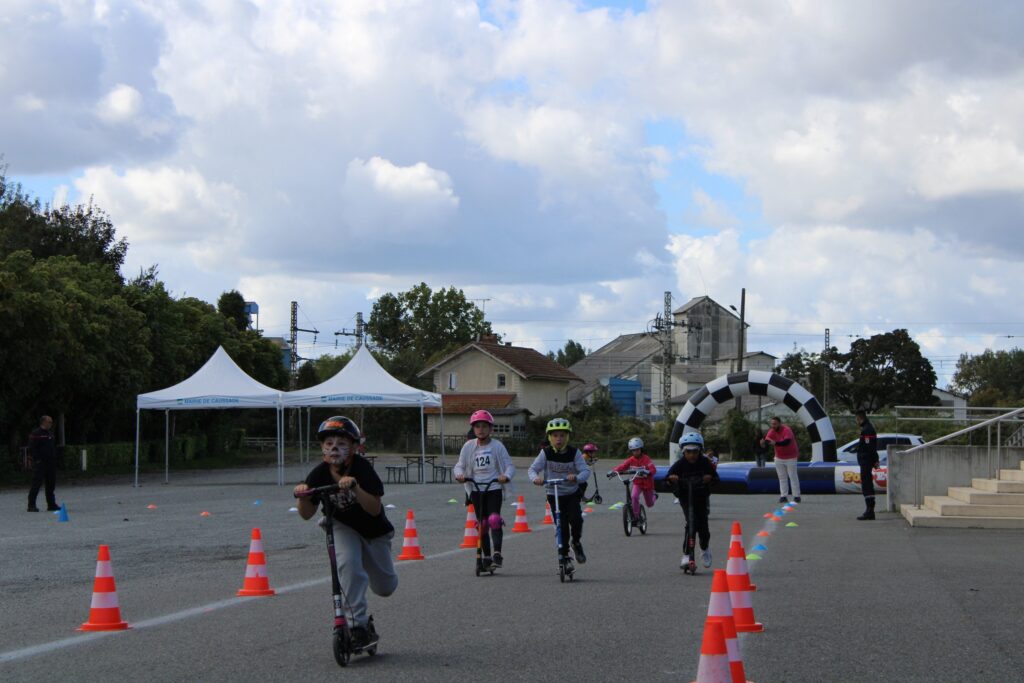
259	442
442	473
398	473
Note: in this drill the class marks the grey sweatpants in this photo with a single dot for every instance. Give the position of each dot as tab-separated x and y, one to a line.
363	562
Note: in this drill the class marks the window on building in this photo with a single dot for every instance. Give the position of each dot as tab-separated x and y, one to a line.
501	380
453	381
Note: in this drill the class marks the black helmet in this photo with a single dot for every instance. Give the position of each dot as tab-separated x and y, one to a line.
339	424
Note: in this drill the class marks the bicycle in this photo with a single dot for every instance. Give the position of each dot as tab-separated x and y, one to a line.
565	566
481	528
342	635
629	520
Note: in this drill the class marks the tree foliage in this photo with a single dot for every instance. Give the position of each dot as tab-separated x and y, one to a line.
883	370
231	305
572	353
992	378
412	327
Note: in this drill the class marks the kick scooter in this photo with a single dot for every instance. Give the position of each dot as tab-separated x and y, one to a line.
596	498
481	528
342	636
629	521
565	568
690	542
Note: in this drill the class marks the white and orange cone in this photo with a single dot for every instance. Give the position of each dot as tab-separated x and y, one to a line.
714	656
720	609
521	526
548	519
736	568
411	540
256	583
469	538
104	612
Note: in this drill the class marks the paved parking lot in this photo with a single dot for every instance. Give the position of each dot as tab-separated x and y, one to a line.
841	600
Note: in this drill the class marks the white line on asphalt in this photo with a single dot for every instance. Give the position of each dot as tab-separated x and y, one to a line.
45	648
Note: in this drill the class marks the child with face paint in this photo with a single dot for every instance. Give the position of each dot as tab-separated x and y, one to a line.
362	532
485	459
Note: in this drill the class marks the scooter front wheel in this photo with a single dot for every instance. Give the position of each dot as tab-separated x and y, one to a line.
598	499
561	573
627	520
342	647
642	524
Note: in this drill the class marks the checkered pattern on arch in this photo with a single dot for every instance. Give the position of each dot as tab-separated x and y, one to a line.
760	383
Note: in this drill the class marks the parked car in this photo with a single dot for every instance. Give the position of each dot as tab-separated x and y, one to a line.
848	452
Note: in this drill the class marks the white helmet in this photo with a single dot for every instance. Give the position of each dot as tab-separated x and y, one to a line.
635	443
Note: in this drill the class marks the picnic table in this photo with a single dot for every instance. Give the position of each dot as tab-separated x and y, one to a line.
411	460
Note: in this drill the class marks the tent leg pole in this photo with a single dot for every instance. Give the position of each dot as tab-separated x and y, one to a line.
423	445
167	446
441	431
136	448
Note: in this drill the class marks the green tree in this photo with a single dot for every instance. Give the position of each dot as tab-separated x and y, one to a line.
231	305
410	328
84	232
991	378
308	376
572	353
885	370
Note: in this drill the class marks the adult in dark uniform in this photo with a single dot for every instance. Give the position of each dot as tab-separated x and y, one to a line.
43	450
867	458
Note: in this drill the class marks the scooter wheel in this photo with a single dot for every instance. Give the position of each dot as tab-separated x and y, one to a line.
561	574
371	651
478	570
598	499
342	648
642	524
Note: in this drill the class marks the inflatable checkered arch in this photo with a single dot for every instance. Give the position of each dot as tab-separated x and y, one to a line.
761	383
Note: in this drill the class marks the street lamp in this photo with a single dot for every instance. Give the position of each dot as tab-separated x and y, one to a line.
739	346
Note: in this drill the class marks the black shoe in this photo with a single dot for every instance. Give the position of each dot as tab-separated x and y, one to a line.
32	507
53	508
783	499
567	563
486	564
797	499
497	559
363	638
577	550
868	514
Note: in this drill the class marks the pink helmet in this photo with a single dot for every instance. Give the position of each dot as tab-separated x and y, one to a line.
481	416
590	448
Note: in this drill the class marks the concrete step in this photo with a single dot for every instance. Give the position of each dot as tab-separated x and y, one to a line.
1011	475
977	496
926	517
951	507
998	486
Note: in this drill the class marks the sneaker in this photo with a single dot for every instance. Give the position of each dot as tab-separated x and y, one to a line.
362	637
577	550
685	562
53	508
486	564
706	557
783	499
497	559
569	566
797	499
32	508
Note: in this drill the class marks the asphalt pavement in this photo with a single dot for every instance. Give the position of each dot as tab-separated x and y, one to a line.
841	600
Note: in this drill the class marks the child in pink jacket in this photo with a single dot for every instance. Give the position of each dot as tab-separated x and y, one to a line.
638	460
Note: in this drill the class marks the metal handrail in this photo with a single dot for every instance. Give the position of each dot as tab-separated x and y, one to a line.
921	449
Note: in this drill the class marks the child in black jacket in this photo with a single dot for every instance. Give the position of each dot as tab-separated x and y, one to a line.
694	472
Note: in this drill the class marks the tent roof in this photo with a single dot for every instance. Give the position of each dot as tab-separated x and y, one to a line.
362	382
220	383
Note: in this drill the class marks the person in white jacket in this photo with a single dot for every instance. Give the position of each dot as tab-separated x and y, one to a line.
484	459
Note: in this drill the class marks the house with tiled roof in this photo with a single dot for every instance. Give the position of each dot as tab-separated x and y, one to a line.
512	382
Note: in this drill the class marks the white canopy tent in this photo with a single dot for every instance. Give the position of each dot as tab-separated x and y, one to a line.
364	383
219	384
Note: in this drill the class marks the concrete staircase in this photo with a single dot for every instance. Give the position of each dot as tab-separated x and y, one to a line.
986	504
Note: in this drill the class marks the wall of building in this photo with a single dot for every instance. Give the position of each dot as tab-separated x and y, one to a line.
475	372
543	397
942	467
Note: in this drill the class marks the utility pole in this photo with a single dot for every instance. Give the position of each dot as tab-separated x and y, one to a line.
357	333
293	375
743	335
663	326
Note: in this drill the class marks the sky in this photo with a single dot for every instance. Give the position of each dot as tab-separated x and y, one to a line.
854	166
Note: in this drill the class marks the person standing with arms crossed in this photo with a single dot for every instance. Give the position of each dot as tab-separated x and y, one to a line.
43	450
782	439
867	458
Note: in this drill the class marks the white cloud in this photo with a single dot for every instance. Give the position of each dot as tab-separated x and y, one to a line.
120	105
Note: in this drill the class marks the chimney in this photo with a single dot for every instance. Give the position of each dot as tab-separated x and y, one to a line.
489	339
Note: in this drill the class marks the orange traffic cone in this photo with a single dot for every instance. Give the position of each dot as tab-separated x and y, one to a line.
469	538
256	583
521	526
720	609
737	563
548	519
411	542
714	657
104	612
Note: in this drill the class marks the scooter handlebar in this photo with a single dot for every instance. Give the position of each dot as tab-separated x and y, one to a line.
330	488
480	485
